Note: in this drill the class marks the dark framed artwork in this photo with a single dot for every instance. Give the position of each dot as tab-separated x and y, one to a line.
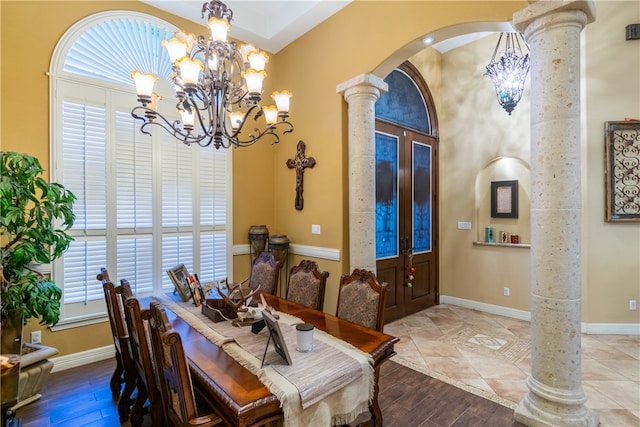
179	275
622	174
504	199
275	335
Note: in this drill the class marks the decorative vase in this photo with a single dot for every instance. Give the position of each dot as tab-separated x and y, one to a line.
279	247
258	237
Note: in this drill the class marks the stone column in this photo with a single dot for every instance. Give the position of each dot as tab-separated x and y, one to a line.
361	93
555	397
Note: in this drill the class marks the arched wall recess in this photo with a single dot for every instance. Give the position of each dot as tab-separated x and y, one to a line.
504	168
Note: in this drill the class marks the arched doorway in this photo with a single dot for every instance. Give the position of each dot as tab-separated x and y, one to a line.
406	161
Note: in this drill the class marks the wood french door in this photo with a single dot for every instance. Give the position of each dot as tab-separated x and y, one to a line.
406	219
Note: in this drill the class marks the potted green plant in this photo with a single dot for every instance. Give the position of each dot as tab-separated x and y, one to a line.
34	215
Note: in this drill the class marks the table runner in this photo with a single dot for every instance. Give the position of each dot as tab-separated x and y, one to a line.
331	385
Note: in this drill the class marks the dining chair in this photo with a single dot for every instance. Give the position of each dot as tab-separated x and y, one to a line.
140	346
124	371
306	284
264	273
174	379
361	299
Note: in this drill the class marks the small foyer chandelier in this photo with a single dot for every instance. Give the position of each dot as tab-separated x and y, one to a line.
218	86
509	72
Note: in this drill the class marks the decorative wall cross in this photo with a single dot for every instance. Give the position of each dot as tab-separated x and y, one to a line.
300	163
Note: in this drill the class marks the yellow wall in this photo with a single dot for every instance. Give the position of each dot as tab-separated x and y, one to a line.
339	49
473	131
611	250
469	142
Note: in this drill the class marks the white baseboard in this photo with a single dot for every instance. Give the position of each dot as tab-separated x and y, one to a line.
611	328
74	360
486	308
587	328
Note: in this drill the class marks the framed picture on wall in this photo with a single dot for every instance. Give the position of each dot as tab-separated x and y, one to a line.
504	199
622	175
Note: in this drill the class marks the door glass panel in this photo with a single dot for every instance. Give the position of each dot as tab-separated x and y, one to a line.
403	103
422	178
386	195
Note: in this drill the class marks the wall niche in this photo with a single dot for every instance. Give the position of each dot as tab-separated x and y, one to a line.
503	169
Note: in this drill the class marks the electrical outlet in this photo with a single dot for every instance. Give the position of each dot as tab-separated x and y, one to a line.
463	225
506	292
632	304
36	337
315	229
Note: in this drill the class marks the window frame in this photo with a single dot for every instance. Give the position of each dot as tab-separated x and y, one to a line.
58	78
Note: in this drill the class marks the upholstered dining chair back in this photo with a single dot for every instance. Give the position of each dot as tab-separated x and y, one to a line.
174	378
306	284
124	371
265	272
140	346
361	299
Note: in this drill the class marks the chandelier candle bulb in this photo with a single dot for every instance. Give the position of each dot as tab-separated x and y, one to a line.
257	60
282	100
218	85
190	71
188	118
270	114
219	29
175	47
144	83
254	79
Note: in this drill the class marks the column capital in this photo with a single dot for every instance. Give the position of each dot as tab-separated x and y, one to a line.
363	83
539	8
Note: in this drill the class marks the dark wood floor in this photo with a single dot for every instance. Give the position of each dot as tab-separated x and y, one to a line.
81	397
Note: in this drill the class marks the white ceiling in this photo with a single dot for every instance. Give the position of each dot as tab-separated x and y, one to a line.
267	24
273	24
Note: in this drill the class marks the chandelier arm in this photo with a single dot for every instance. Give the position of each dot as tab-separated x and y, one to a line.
170	127
269	131
238	130
493	57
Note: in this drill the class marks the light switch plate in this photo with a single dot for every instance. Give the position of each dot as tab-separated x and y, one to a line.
315	229
462	225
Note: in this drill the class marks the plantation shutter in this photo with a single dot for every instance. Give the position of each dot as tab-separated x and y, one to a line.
84	130
146	203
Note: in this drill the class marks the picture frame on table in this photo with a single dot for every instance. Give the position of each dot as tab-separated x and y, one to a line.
196	290
275	335
504	199
622	171
179	275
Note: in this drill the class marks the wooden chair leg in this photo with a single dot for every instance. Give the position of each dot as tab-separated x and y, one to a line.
124	404
156	411
138	410
117	378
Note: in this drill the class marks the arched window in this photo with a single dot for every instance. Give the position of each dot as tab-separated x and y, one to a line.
146	203
403	104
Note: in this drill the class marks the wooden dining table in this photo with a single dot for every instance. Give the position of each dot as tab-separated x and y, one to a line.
240	398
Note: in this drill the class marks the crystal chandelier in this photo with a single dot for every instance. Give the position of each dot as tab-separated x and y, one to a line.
218	86
509	72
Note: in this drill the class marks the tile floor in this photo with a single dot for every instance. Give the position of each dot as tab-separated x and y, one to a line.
490	356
